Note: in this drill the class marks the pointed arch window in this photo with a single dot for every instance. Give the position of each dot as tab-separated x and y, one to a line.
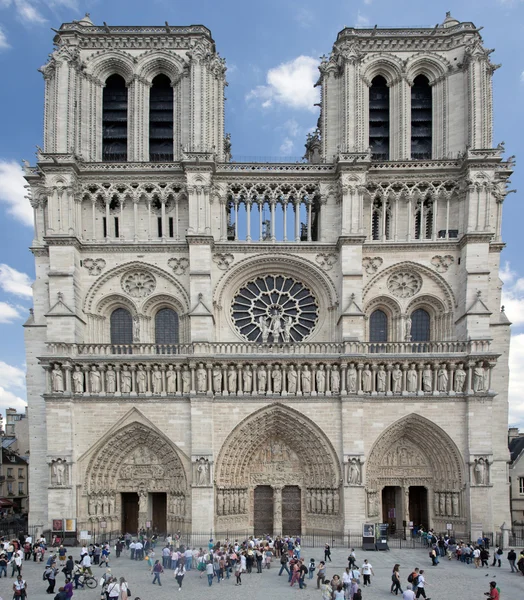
161	120
424	219
121	326
379	118
420	326
166	326
114	120
381	220
378	326
421	118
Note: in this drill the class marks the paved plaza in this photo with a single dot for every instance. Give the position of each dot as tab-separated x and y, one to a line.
450	580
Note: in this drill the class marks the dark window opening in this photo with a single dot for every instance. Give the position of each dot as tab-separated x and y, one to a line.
166	326
121	327
379	119
114	120
161	120
117	230
104	225
159	225
378	327
171	228
421	119
420	326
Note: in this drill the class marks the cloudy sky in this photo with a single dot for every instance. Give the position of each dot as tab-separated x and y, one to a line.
272	50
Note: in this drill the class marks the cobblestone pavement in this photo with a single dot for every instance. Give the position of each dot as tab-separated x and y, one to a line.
449	580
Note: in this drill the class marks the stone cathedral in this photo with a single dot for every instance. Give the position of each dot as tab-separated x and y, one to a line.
222	346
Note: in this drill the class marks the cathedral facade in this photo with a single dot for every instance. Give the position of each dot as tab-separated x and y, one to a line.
268	347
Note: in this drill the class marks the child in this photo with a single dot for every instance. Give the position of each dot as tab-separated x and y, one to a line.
312	568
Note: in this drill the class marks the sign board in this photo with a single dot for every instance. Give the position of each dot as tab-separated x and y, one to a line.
368	530
103	524
382	531
410	524
70	525
84	535
449	526
148	524
58	525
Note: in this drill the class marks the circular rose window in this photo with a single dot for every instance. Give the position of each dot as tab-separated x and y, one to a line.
274	309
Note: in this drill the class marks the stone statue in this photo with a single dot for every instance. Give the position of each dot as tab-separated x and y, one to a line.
449	511
78	380
142	502
57	378
276	376
306	380
480	471
110	380
228	500
407	330
59	469
455	502
427	379
478	378
354	472
170	380
276	328
460	379
186	380
381	379
247	379
286	334
232	380
111	504
234	502
91	505
217	380
412	379
220	502
352	378
141	380
436	504
321	380
125	379
94	380
156	377
442	503
243	502
203	472
136	329
292	380
264	328
336	502
335	379
371	504
442	379
366	379
396	377
262	379
201	379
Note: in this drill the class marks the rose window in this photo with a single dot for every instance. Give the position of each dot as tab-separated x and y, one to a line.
274	309
138	284
404	284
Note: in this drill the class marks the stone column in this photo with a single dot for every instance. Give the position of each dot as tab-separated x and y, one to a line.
277	510
420	368
360	366
343	381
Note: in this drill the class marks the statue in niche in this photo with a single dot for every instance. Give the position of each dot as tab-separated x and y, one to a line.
232	380
57	378
354	472
59	472
442	379
306	380
94	380
276	328
427	379
264	328
286	334
460	379
202	471
478	378
276	376
442	503
412	380
142	502
407	330
125	378
234	501
78	380
141	380
352	378
170	380
292	380
91	505
448	505
186	380
396	377
321	380
436	503
201	379
455	503
335	379
227	502
217	380
262	379
156	377
480	470
381	379
371	504
110	380
366	379
247	379
136	329
336	502
220	502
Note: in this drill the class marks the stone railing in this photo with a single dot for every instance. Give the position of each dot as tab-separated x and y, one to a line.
355	348
327	376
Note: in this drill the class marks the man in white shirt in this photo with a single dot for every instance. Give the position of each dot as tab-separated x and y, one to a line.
189	559
476	557
367	571
132	548
421	591
408	594
139	555
86	563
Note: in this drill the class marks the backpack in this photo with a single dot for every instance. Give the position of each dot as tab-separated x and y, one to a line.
499	552
410	578
45	575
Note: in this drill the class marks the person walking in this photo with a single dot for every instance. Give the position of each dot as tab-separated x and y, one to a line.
16	564
283	563
68	589
50	577
327	553
3	565
395	581
180	571
210	571
497	556
408	593
124	589
321	574
157	570
367	571
238	572
512	557
312	568
20	588
113	589
421	585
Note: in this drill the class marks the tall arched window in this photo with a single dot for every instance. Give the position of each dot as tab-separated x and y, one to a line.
420	326
379	118
421	118
114	120
161	120
424	219
381	230
166	326
121	327
378	326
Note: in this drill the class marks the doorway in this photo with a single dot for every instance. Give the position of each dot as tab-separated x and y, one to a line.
159	511
392	507
263	513
291	510
418	505
130	512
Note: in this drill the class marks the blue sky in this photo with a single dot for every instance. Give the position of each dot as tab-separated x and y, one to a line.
272	50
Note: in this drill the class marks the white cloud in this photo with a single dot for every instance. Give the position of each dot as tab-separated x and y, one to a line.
286	148
516	380
3	40
27	13
9	313
305	17
15	282
513	295
290	84
12	387
10	400
362	20
522	77
368	2
12	192
292	127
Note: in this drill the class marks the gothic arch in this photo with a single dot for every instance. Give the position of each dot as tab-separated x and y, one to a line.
108	304
156	62
392	310
387	65
432	66
302	438
111	62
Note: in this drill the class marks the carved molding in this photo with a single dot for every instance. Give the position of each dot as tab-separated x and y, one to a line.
94	265
442	263
372	265
404	284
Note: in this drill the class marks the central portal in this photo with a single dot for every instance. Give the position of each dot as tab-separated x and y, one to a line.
130	512
263	513
291	510
159	512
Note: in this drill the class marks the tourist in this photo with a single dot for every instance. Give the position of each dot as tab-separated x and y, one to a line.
321	575
512	557
180	571
3	565
338	593
353	589
395	581
520	564
497	556
77	572
476	557
86	563
421	585
157	570
124	589
312	568
283	564
327	590
68	589
16	564
352	558
113	589
238	573
62	552
20	588
210	572
50	576
62	594
408	593
295	573
268	557
355	574
303	572
69	566
367	571
327	553
484	557
493	593
434	557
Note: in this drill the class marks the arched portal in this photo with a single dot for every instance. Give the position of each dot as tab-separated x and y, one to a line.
136	476
277	469
415	473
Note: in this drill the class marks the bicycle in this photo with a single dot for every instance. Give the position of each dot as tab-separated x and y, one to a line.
88	580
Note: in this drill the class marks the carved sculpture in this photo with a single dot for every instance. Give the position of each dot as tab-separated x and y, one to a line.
427	379
354	471
404	284
396	377
460	379
367	379
292	376
247	380
412	379
59	472
95	381
110	380
321	379
186	380
442	379
170	380
381	379
201	379
138	284
478	378
78	380
57	378
232	380
305	380
125	379
141	380
352	378
276	376
203	476
262	379
156	380
217	380
335	379
407	329
480	471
